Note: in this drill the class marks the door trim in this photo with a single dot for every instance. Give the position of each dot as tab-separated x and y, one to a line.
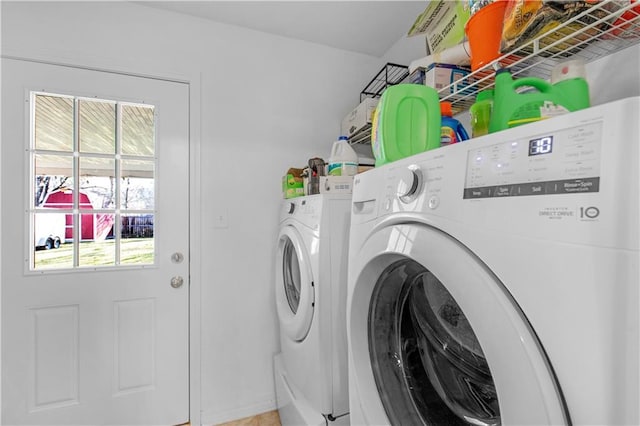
194	81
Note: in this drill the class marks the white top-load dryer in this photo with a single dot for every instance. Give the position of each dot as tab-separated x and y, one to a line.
311	293
495	281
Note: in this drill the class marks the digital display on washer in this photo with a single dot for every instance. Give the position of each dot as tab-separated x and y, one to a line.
541	146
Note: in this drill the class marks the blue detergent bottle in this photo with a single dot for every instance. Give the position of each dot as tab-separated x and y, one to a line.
451	130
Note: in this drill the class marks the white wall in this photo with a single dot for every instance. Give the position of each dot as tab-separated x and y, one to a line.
267	103
615	77
406	50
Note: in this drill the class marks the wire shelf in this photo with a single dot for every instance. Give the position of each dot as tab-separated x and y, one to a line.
362	136
595	33
389	75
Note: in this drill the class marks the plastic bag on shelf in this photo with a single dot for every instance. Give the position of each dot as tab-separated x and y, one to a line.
526	20
627	24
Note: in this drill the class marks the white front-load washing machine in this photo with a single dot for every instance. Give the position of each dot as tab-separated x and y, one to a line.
311	295
495	281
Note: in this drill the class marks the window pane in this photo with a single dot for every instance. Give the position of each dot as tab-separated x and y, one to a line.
52	180
137	243
97	182
137	130
50	245
94	159
138	185
53	123
97	126
96	248
94	226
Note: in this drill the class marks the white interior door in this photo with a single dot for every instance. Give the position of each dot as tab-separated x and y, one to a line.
94	331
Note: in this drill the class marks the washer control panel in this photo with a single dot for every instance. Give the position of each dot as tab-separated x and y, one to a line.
561	162
409	183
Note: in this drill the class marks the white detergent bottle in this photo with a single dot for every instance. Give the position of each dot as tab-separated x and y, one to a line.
343	160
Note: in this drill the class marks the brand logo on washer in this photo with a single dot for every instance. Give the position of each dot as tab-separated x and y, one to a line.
557	213
589	213
583	213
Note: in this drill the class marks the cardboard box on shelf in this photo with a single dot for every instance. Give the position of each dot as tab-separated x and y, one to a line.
359	118
440	76
442	23
292	184
294	192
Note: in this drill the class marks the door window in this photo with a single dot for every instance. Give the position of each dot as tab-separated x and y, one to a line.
427	362
291	275
93	180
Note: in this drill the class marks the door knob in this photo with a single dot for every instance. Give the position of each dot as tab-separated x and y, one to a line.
177	281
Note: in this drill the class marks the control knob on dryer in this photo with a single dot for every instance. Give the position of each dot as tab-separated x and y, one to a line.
409	183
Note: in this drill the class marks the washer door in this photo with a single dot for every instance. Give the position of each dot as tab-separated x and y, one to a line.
294	285
446	343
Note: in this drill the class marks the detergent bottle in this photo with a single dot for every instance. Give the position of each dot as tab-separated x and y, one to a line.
451	130
406	122
480	113
570	77
343	160
511	108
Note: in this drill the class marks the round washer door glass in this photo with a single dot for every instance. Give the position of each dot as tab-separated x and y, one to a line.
427	362
291	275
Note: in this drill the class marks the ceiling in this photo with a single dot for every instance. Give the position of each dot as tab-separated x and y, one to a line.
368	27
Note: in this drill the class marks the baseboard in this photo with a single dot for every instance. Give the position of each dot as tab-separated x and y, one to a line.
213	417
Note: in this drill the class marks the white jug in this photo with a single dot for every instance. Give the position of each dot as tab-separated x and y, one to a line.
343	160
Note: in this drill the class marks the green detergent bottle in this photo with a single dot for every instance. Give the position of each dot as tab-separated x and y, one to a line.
511	109
480	113
406	122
